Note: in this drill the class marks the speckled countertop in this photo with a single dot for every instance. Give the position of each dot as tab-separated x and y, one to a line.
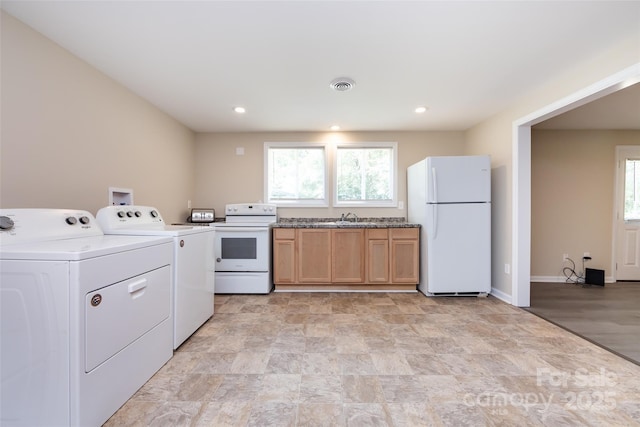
393	222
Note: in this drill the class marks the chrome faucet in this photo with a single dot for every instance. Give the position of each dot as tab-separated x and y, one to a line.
344	217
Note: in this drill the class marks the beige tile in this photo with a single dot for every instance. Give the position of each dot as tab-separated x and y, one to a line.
361	389
366	415
284	363
250	363
280	387
391	364
339	359
224	414
320	415
321	389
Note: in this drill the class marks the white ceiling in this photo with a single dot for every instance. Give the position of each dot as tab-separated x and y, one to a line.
465	61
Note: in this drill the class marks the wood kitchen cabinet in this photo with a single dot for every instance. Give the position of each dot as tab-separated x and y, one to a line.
404	255
347	255
284	255
346	258
377	255
314	255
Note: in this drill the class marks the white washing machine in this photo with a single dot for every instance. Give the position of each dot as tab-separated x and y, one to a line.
85	318
193	264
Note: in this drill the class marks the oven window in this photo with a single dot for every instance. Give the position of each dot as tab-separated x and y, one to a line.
239	247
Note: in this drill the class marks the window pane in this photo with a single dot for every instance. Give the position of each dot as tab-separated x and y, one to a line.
364	174
632	190
296	173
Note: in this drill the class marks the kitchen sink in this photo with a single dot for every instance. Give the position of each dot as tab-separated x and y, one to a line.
341	224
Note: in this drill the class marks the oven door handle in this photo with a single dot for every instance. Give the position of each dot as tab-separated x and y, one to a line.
241	230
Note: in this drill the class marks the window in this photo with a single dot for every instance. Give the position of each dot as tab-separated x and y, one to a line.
296	174
632	190
365	174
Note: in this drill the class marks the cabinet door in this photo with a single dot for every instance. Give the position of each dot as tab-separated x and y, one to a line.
284	270
347	260
314	255
377	255
404	255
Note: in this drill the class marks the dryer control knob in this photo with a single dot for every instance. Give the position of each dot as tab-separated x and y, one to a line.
154	213
6	223
84	220
129	214
71	220
121	214
138	214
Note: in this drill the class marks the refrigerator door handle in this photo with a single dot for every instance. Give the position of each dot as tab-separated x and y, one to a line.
435	185
434	220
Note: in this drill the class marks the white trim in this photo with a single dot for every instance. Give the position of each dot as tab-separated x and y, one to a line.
521	195
621	153
562	279
322	203
501	295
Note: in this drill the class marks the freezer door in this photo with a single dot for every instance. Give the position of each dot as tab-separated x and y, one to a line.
459	248
458	179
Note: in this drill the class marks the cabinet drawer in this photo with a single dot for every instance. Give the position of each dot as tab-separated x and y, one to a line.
376	233
284	233
404	233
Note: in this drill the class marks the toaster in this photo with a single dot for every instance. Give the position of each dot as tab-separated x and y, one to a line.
203	215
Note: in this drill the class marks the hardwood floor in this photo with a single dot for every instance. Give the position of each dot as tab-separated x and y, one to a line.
608	316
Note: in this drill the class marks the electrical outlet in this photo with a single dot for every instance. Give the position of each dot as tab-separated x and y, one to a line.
565	257
587	254
507	269
188	204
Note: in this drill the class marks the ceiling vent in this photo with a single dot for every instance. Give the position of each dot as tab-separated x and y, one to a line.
342	84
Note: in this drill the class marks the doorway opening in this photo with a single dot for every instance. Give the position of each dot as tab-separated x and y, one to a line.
521	196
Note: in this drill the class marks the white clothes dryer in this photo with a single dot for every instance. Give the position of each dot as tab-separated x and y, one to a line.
193	263
85	317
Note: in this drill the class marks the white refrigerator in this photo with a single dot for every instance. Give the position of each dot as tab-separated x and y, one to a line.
451	198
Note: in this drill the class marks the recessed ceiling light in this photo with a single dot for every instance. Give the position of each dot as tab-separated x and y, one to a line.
420	110
342	84
335	127
239	110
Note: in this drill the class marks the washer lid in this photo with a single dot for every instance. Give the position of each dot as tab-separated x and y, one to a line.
80	248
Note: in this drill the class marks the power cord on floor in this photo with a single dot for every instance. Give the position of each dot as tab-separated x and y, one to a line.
570	272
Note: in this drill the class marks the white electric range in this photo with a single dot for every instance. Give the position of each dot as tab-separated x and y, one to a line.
86	318
243	249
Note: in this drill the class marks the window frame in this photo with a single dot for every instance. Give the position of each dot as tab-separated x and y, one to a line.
394	175
324	202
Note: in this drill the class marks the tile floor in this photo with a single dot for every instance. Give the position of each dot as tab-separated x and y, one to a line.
383	359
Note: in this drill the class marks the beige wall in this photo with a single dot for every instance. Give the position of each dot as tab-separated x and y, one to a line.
223	177
572	198
495	137
69	133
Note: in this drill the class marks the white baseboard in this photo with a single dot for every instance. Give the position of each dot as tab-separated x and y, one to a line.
561	279
501	295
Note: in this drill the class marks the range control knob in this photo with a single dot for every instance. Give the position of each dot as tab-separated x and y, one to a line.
138	214
154	213
71	220
6	223
121	214
84	220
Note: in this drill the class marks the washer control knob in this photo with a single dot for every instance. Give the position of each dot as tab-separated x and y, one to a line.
121	214
154	213
138	214
129	214
71	220
84	220
6	223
